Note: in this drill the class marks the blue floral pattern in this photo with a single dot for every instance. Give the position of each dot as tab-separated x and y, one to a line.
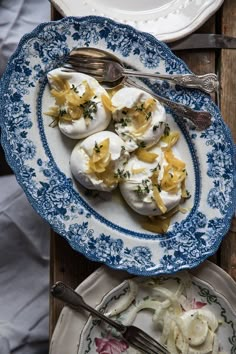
52	193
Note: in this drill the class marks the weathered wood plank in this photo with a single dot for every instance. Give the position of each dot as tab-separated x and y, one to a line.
68	266
202	62
228	109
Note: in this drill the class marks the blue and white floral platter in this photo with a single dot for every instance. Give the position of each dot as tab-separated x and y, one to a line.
103	228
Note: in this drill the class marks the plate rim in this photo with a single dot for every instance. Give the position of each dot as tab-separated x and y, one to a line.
62	7
220	278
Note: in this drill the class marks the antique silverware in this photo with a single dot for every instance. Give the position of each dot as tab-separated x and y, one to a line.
201	119
133	335
110	70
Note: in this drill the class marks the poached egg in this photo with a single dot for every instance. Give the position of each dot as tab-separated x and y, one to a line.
79	108
140	120
142	190
97	162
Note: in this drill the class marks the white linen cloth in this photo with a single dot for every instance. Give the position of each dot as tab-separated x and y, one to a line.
24	236
18	17
24	273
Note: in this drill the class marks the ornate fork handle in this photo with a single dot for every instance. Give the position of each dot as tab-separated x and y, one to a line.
200	119
74	300
208	82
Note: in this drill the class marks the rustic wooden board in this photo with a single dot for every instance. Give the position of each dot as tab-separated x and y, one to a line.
72	267
227	67
202	62
68	266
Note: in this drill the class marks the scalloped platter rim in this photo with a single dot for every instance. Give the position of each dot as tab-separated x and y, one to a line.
167	20
39	155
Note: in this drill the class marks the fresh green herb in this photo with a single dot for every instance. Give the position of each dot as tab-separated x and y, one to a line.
145	183
139	191
158	167
188	194
62	112
155	127
142	144
121	174
97	148
148	115
74	88
140	108
167	130
89	108
124	121
143	189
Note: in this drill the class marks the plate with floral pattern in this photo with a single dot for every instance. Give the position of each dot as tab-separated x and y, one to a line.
39	154
210	288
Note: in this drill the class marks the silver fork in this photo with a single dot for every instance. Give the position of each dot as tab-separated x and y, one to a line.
92	66
133	335
110	70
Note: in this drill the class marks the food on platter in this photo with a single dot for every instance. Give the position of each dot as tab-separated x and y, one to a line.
98	160
136	152
181	325
154	188
78	108
139	118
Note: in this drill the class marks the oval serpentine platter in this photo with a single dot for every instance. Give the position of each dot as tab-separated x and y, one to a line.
99	226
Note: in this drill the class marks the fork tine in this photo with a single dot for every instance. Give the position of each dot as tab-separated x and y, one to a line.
87	58
88	65
84	58
68	69
83	69
149	340
141	346
151	346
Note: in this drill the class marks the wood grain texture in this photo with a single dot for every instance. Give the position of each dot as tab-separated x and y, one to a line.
68	266
72	267
202	62
228	109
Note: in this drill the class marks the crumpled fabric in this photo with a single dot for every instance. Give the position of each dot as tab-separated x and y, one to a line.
18	17
24	273
24	235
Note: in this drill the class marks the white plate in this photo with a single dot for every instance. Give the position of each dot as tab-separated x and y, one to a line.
75	333
168	20
104	228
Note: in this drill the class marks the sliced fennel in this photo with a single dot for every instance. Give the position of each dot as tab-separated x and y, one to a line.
183	330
